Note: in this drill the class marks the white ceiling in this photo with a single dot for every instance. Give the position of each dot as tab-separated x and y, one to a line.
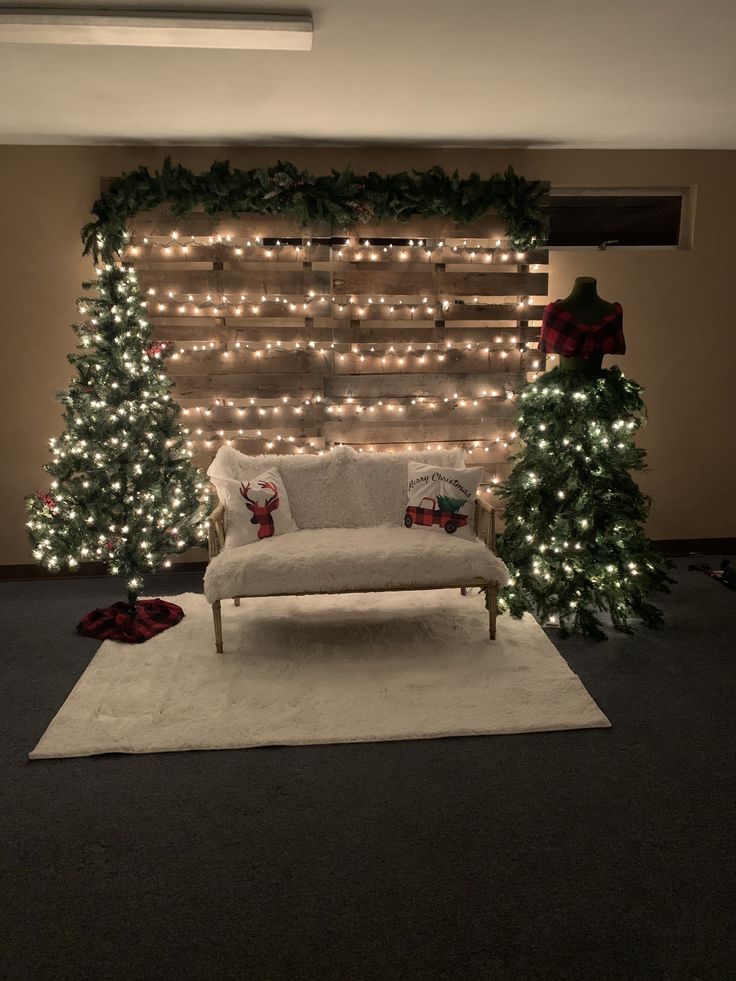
625	73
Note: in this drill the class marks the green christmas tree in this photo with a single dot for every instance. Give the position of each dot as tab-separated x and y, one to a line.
574	540
124	489
450	503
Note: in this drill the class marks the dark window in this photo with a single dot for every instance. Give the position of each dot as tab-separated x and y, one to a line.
615	219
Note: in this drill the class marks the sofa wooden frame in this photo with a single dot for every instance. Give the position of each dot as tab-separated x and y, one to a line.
485	529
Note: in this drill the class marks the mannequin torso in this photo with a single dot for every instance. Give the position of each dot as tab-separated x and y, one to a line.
584	303
586	307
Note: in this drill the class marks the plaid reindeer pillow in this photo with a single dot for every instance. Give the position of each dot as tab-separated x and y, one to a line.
256	509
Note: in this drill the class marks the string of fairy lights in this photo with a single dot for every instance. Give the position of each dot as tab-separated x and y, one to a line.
245	305
350	249
357	404
258	424
417	355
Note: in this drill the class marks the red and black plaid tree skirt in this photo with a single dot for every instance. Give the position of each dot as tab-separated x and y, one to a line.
562	334
132	626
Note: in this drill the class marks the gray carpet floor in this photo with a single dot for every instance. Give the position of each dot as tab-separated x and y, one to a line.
604	854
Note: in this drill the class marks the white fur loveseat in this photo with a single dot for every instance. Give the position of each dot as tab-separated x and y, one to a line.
349	508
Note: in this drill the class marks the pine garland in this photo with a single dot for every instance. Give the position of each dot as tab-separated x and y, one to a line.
574	539
341	197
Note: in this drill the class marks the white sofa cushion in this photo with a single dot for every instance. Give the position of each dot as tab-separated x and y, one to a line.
329	559
340	489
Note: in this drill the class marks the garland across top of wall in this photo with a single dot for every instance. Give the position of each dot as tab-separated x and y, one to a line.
341	197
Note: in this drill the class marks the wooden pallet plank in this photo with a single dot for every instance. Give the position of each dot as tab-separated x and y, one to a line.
416	258
487	412
473	283
249	418
168	310
250	311
222	363
410	384
200	386
486	434
164	252
268	280
187	330
448	361
325	361
465	311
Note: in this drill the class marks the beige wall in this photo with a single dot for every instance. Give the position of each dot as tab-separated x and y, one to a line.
678	320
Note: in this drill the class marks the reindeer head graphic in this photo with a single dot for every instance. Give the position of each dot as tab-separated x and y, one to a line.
262	511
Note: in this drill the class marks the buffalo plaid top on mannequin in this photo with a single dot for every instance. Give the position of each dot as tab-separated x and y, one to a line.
564	335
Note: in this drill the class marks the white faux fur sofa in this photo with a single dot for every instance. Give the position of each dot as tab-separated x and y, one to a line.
349	508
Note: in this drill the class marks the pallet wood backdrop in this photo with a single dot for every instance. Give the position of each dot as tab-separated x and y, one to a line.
385	338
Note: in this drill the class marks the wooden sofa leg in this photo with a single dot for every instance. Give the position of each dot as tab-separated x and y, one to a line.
237	601
217	617
492	609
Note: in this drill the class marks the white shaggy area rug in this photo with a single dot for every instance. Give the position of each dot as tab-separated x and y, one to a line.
321	669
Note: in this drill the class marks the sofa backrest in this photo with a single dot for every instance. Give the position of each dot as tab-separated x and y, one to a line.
341	488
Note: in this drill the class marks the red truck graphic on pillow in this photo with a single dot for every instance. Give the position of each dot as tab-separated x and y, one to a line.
262	511
447	515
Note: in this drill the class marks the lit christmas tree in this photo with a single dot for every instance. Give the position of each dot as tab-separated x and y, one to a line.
574	540
124	489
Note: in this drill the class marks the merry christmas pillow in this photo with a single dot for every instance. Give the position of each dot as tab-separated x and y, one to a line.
255	510
442	499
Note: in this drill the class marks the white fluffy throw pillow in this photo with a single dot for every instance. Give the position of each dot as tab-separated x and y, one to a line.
255	510
442	498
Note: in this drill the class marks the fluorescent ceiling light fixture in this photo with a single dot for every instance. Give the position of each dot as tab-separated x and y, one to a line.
157	29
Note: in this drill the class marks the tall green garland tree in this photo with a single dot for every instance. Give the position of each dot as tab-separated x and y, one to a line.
124	490
574	540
